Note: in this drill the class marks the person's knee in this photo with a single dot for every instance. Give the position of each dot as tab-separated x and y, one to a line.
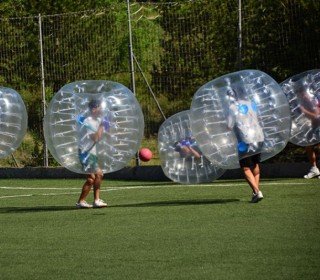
98	177
90	179
246	169
256	170
99	174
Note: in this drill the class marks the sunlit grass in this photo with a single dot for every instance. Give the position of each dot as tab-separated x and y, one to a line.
160	230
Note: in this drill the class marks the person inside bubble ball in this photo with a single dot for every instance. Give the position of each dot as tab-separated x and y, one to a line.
187	148
310	107
243	119
92	129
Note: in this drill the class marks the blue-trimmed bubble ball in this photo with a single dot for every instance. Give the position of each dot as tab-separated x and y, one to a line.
238	115
93	125
13	121
303	94
181	159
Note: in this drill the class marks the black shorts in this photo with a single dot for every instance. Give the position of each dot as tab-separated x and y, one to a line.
250	161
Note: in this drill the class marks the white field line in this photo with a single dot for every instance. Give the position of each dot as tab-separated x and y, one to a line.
35	188
127	188
69	193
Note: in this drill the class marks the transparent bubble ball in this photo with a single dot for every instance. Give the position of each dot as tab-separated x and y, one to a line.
70	125
181	159
13	121
303	94
238	115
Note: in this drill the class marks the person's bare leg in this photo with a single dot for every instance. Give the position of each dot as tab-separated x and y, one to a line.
86	187
311	156
250	178
98	203
256	174
97	184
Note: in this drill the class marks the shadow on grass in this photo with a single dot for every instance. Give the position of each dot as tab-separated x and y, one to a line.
36	209
178	203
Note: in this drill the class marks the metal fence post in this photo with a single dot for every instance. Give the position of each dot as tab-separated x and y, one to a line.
43	90
240	35
133	84
131	58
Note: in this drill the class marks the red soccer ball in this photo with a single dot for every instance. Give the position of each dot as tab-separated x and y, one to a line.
145	154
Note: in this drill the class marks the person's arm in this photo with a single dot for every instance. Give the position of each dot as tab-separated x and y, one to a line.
309	114
194	152
96	137
231	118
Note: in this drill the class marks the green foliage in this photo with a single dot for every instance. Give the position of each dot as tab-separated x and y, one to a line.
28	154
179	47
281	37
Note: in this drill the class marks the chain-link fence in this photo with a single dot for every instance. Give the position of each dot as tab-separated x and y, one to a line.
176	48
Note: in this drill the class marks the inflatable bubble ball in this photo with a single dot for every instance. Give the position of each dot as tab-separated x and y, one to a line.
303	94
13	121
93	125
181	159
238	115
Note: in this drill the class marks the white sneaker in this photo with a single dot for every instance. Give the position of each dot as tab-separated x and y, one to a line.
256	197
83	204
99	203
313	172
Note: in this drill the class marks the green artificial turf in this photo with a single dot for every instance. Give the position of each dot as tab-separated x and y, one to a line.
154	230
